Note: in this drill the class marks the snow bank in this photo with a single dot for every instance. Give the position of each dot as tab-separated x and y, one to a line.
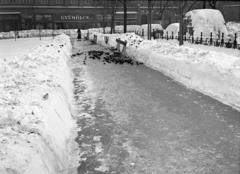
36	33
207	21
119	29
172	28
210	72
234	27
35	117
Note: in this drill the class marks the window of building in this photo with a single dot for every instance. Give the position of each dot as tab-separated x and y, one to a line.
44	2
99	17
59	2
7	1
74	2
43	17
26	1
86	2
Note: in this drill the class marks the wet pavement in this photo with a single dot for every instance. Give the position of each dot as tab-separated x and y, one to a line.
135	120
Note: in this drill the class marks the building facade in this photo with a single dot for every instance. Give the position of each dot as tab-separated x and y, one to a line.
56	14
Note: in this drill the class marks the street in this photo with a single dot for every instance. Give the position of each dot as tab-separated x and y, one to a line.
135	120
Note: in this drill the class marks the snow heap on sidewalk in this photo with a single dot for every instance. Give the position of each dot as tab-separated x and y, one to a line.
216	74
207	21
234	27
172	29
37	33
35	118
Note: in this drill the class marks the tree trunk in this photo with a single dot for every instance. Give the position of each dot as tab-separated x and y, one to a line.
125	16
113	17
149	19
204	4
181	23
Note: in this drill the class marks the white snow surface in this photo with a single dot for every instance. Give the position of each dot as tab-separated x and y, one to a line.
172	29
207	21
213	73
36	33
35	112
9	48
234	27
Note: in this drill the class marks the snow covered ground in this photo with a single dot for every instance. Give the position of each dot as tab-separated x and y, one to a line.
233	28
37	33
10	48
172	29
213	73
207	21
35	112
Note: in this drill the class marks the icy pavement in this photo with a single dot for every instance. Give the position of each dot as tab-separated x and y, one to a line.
135	120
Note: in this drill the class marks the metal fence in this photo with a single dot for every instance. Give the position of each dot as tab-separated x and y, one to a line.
221	41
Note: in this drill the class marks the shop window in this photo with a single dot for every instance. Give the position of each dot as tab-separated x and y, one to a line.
38	17
99	17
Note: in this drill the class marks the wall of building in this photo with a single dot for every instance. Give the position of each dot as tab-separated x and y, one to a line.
89	13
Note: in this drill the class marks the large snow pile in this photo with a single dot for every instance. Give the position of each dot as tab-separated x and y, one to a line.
207	21
35	118
172	29
213	73
233	28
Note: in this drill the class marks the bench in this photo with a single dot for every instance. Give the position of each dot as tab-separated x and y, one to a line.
94	40
124	44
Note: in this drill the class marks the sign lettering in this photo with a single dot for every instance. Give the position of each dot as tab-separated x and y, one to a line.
74	18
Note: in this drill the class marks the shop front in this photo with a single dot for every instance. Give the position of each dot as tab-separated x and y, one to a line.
10	21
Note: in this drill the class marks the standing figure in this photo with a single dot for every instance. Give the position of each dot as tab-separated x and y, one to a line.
79	34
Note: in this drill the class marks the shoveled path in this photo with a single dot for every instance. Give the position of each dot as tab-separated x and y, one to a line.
134	120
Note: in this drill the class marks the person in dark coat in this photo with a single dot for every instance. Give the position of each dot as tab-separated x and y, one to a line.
79	34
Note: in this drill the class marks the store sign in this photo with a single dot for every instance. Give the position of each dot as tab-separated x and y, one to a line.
74	17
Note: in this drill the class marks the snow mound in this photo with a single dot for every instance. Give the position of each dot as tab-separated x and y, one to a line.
172	29
233	28
35	118
207	21
36	33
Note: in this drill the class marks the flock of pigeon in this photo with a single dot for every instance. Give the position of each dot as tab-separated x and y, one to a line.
107	56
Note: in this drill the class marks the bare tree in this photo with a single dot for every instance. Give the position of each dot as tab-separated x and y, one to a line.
161	7
184	7
212	3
